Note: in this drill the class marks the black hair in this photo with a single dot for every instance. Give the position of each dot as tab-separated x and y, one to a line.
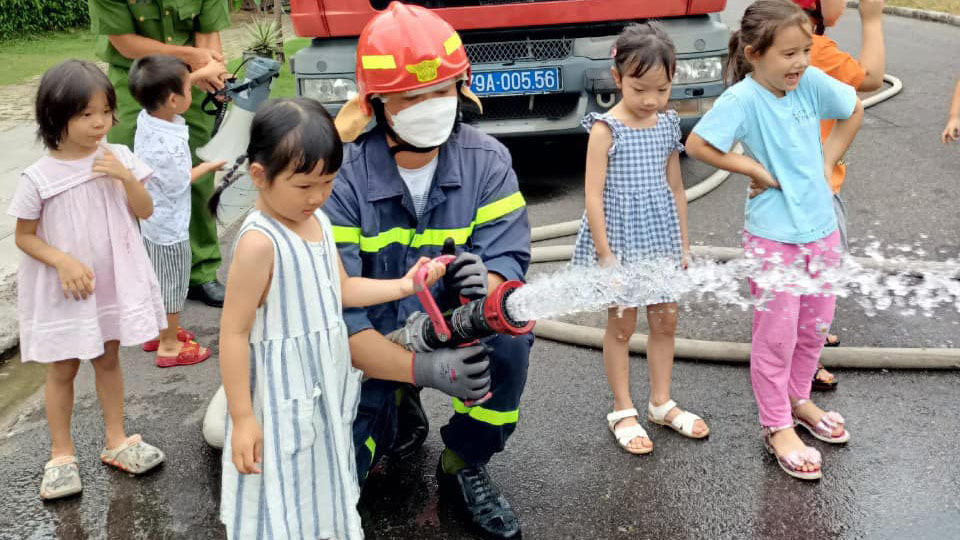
641	47
153	79
758	29
65	91
295	133
816	13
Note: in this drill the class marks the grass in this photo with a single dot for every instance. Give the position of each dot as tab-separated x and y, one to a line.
285	85
23	59
946	6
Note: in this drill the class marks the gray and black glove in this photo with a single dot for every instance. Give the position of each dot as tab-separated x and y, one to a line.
467	276
462	373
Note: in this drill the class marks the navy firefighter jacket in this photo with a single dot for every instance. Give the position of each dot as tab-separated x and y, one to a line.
474	199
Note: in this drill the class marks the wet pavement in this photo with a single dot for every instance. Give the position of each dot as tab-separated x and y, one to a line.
897	478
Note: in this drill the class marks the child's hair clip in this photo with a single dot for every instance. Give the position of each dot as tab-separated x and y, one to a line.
613	52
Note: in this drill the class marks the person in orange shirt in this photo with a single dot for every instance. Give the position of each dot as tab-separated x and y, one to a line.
952	130
865	74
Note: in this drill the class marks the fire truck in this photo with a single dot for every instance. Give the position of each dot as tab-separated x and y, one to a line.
538	65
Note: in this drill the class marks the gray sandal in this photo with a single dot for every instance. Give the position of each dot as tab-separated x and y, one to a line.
133	456
61	478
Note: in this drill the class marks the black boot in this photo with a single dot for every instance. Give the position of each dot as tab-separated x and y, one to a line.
412	423
472	490
210	293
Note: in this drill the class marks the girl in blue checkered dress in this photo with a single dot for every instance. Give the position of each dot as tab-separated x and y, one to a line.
636	218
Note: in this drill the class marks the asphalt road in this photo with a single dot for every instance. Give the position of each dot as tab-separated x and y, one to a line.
897	478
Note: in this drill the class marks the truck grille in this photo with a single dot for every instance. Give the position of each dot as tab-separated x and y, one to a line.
548	106
509	51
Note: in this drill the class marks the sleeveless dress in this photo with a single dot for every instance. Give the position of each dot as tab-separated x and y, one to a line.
305	395
643	229
86	215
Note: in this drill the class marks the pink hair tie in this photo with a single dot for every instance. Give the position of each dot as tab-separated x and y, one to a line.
613	52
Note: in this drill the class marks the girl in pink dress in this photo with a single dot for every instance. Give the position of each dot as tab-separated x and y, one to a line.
85	285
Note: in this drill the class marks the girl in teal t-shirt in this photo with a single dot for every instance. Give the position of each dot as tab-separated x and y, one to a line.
773	109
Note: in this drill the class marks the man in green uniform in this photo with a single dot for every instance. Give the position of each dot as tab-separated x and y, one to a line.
189	30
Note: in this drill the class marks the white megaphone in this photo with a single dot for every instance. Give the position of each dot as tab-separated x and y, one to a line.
232	131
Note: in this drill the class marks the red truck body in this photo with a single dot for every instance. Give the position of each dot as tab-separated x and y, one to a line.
345	18
539	66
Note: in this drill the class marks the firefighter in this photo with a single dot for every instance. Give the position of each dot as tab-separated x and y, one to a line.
415	179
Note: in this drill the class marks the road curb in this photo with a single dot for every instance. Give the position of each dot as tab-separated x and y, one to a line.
914	13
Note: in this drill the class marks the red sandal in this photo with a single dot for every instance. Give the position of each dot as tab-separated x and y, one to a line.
189	355
183	335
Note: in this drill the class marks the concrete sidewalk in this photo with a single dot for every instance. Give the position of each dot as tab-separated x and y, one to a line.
21	148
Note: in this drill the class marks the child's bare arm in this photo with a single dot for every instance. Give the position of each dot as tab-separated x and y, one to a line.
675	179
362	292
247	281
205	168
952	130
872	54
598	149
210	77
841	137
761	179
76	278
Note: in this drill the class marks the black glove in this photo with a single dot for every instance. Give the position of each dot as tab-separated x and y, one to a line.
462	373
467	276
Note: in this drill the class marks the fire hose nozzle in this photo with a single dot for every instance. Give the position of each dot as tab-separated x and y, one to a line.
495	311
470	321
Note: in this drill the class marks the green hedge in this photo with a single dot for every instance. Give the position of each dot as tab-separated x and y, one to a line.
21	18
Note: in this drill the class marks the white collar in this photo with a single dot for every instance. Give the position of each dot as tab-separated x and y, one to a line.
177	128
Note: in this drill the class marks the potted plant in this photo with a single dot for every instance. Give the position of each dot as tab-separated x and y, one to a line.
263	36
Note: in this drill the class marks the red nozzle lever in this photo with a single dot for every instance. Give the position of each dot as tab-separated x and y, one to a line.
433	311
426	299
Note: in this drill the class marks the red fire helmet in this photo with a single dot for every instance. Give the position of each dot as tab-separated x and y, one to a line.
407	47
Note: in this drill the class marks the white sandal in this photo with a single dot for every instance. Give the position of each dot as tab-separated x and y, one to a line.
682	423
628	433
61	478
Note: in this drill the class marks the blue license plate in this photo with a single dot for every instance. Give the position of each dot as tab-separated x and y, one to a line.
516	81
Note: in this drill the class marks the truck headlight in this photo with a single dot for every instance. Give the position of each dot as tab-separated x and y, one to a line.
329	90
698	70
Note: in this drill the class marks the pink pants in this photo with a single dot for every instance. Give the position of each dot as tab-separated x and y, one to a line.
788	331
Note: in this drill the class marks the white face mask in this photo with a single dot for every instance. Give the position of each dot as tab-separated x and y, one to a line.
428	123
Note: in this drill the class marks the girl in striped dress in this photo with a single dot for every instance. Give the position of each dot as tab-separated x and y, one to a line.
288	461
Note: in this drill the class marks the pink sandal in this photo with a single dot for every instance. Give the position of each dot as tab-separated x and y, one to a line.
183	335
793	462
824	428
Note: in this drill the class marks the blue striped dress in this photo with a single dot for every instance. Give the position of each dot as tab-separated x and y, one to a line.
305	394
